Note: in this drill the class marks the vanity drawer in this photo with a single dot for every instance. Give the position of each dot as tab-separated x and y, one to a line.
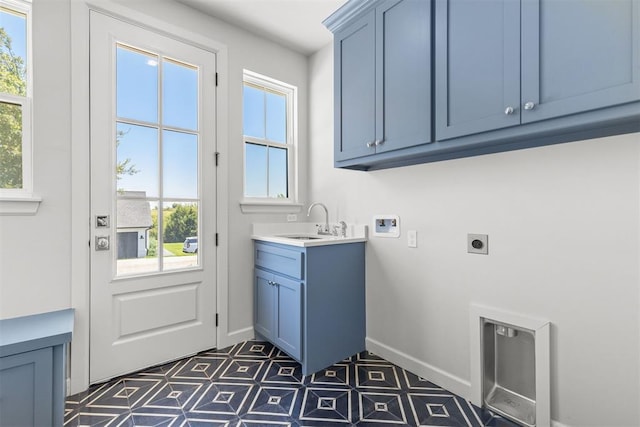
279	259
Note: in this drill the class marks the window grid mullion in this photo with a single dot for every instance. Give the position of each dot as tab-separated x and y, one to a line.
160	245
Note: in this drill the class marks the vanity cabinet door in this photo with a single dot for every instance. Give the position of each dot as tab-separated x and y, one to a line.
355	89
578	56
288	325
477	66
264	315
26	389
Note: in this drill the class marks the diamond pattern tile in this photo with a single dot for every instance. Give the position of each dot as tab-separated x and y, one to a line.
255	384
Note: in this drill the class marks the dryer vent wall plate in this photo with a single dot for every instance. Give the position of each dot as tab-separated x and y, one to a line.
386	226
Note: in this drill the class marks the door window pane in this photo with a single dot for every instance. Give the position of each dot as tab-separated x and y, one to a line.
10	145
276	117
13	52
180	91
255	170
278	173
180	248
253	112
180	158
137	159
136	85
137	235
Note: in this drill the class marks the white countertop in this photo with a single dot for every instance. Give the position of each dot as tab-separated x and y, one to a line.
278	232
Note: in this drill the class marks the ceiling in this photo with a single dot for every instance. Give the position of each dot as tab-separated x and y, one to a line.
296	24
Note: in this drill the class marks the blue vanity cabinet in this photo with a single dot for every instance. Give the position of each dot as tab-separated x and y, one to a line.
382	84
310	301
503	63
278	311
32	368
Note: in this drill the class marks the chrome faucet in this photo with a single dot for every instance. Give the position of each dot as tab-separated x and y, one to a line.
324	229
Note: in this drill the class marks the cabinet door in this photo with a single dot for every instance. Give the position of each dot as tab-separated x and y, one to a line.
288	332
477	66
26	389
403	43
264	304
355	89
579	55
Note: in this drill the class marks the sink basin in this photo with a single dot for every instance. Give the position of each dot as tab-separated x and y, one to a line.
301	237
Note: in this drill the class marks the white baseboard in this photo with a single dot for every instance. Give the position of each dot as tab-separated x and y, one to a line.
236	337
557	424
437	376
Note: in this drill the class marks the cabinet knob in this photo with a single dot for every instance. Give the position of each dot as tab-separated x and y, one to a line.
529	105
379	142
508	111
371	144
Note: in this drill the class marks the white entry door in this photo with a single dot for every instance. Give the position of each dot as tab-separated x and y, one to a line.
153	195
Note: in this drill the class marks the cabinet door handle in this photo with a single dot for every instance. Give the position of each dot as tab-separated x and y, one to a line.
529	105
371	144
509	110
379	142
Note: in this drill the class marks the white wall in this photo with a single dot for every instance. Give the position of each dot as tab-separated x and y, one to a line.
35	250
563	226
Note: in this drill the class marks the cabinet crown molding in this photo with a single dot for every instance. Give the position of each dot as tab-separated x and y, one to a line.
347	12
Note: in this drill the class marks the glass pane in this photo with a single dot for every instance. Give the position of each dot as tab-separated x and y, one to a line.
253	112
180	91
278	173
13	52
255	169
136	85
10	146
180	248
180	158
276	117
137	235
137	159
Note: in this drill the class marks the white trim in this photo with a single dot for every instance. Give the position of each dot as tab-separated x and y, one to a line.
429	372
269	206
80	212
23	204
240	335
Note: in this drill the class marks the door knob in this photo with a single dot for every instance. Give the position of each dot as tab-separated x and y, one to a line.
102	243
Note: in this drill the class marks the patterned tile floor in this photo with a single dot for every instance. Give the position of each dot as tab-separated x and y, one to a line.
255	384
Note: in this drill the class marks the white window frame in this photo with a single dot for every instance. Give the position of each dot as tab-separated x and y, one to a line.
22	201
268	204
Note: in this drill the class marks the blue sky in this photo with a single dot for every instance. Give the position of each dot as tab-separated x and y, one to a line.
137	99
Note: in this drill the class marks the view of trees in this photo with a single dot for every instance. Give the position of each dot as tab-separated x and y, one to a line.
13	81
182	223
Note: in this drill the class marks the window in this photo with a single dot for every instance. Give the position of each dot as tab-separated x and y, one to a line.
269	124
15	98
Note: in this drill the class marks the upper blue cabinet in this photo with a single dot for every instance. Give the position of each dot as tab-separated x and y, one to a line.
383	78
506	75
501	63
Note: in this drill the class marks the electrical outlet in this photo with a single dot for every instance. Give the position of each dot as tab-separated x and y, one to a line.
478	244
412	238
292	217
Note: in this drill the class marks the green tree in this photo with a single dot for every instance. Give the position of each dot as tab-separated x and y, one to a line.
181	224
13	81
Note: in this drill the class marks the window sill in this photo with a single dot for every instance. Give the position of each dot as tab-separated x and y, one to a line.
259	206
19	205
